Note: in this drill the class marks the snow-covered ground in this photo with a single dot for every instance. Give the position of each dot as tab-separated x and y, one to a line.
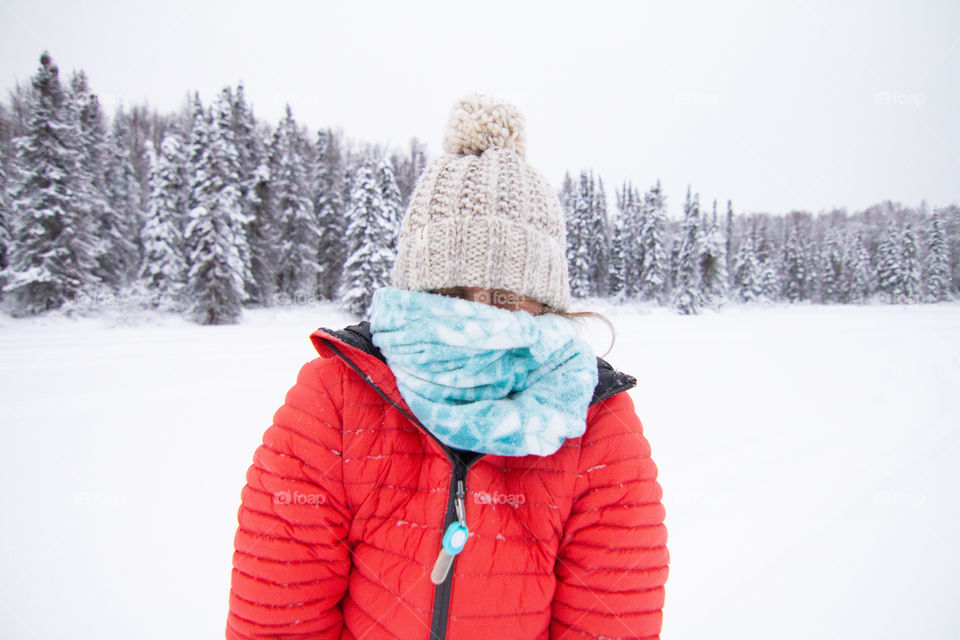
810	459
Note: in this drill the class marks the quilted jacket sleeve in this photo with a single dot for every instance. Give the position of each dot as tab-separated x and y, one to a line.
291	560
613	561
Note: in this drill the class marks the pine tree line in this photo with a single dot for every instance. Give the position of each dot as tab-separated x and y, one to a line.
210	210
886	253
202	213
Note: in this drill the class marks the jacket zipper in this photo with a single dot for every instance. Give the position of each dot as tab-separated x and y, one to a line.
457	491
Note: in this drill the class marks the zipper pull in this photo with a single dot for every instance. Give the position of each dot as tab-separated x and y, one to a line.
458	503
453	539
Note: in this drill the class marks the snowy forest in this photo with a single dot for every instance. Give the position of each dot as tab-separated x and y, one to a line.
210	210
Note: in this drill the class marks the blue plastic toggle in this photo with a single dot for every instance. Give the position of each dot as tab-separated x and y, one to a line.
455	537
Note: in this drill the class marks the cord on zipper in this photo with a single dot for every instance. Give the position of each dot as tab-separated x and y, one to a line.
453	539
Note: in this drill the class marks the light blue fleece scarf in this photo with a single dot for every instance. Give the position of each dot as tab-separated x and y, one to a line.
484	378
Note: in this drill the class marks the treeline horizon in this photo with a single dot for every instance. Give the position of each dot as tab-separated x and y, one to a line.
210	210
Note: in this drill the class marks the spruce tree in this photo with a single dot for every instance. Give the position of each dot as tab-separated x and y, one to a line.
832	271
653	270
6	211
297	268
215	276
688	289
628	262
770	279
578	237
250	160
51	253
392	207
747	277
860	272
713	263
163	270
616	269
370	233
728	230
911	287
120	224
90	189
329	211
795	283
768	265
937	264
890	265
671	285
263	233
598	241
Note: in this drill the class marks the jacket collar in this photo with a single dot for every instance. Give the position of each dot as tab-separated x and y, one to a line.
355	342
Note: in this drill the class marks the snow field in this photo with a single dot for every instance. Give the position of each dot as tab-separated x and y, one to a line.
807	455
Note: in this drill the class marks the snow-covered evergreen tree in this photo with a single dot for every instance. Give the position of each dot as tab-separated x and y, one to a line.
163	271
119	225
579	218
794	267
329	211
671	284
728	231
263	233
370	233
747	277
911	287
350	166
297	268
617	266
860	276
832	270
890	264
628	263
937	264
90	190
770	280
228	159
713	263
768	261
6	211
688	288
215	276
653	270
598	241
51	254
392	206
898	265
250	160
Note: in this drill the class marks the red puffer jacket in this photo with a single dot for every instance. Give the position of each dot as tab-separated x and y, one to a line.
349	495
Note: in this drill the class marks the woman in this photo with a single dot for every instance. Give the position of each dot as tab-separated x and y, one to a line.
461	465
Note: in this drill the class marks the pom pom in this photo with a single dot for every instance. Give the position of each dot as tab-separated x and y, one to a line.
479	122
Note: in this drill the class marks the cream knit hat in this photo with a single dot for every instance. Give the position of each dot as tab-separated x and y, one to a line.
480	216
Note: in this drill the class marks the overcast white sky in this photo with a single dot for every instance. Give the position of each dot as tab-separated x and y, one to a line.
809	106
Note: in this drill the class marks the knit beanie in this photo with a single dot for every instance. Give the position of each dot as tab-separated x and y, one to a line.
480	216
